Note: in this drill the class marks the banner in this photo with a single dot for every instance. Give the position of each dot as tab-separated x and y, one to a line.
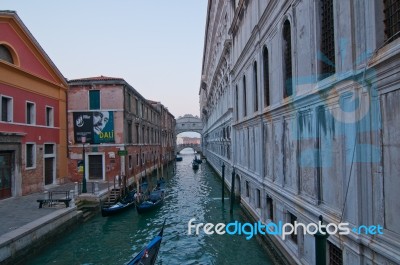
97	127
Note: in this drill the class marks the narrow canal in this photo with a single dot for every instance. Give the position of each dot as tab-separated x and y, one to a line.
115	239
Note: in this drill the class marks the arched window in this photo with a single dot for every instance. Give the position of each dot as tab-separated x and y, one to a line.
266	77
255	87
287	55
5	54
244	97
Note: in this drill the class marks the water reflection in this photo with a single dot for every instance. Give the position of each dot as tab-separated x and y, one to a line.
190	194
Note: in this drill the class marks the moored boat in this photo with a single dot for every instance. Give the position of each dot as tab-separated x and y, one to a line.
148	255
153	201
122	205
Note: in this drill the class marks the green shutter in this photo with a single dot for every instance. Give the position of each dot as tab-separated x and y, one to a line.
94	97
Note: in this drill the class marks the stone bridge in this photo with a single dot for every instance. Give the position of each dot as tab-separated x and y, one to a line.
195	147
188	123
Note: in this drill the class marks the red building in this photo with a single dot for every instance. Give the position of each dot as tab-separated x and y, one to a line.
33	93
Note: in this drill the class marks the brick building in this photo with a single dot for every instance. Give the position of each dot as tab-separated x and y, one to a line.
123	130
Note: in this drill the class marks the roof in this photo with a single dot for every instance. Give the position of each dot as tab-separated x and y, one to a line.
13	15
97	78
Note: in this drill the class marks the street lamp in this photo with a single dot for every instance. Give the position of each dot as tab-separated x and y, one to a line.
83	141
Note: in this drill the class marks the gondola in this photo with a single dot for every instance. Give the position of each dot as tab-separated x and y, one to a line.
153	201
195	165
178	158
197	160
122	205
148	255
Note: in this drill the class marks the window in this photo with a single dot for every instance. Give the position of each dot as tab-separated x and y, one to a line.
130	161
292	219
237	102
258	202
130	132
137	159
94	99
247	189
255	87
244	97
49	116
266	77
30	113
270	208
327	39
49	149
392	19
137	134
335	255
5	54
30	155
6	109
129	102
287	54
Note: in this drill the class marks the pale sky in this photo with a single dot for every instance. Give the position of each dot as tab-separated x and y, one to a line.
155	45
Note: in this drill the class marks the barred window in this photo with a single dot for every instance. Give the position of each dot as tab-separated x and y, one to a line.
287	52
270	208
335	255
327	39
237	103
392	19
266	77
244	97
255	87
292	219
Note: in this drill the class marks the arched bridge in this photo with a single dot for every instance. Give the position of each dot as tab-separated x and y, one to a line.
195	147
188	123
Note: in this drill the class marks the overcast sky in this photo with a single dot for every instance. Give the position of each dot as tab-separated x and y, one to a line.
155	45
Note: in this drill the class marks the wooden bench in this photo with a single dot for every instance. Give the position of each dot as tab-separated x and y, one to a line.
53	197
51	201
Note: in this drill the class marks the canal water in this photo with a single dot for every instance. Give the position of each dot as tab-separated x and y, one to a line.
115	239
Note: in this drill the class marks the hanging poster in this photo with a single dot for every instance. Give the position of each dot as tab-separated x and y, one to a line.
97	127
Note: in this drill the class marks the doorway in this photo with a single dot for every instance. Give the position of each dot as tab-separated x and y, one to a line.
5	174
95	167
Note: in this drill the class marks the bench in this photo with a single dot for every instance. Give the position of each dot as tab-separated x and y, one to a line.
51	201
55	197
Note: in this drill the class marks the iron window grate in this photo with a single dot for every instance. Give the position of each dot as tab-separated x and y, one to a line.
288	91
327	38
392	19
335	255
